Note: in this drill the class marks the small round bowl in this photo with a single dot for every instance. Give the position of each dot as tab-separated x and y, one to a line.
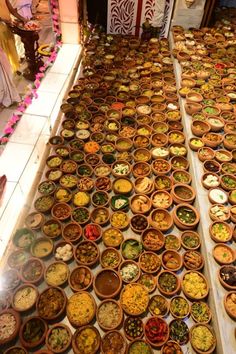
86	253
149	262
107	283
163	183
179	307
229	303
158	306
31	323
161	219
149	281
161	167
42	247
162	279
171	260
223	254
152	239
6	315
173	346
44	203
72	232
172	242
133	328
110	258
181	176
120	168
139	344
179	162
193	260
80	278
220	231
199	128
128	299
100	198
140	204
217	196
92	232
112	237
200	312
161	199
44	303
161	329
84	332
23	238
24	297
196	144
180	336
17	258
63	251
34	220
56	273
182	210
219	212
16	349
100	215
194	285
61	211
119	220
141	155
228	182
139	223
32	271
210	180
226	276
116	337
52	228
190	240
53	338
144	185
197	333
182	193
114	314
141	169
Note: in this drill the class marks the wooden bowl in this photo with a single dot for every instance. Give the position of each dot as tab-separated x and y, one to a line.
161	219
166	274
107	283
65	346
111	323
15	331
200	339
224	272
221	231
193	260
158	323
195	278
79	332
187	208
171	260
229	303
31	322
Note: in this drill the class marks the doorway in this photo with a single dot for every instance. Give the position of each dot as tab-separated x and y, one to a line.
97	13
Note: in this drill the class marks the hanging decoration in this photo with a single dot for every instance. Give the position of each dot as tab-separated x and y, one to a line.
31	90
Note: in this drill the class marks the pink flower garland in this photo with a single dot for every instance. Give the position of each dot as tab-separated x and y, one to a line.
32	89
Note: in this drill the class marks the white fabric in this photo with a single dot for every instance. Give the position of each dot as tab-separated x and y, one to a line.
8	91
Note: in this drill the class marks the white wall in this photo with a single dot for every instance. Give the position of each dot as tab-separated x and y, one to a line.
188	17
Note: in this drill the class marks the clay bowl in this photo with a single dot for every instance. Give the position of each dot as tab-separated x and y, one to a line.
42	247
216	123
197	277
181	213
111	336
203	310
141	169
163	183
161	219
149	262
217	196
14	333
159	140
111	323
229	141
43	306
17	258
92	232
193	260
130	324
34	220
63	251
31	321
220	231
80	278
160	167
158	322
110	258
86	253
212	140
177	149
210	180
192	107
121	168
176	137
182	193
50	342
179	307
124	266
163	277
100	215
158	305
79	332
32	271
171	260
205	153
179	162
107	283
219	212
171	345
193	96
229	300
172	242
227	272
61	211
199	128
197	350
211	166
52	228
140	204
228	182
161	199
16	349
152	239
22	292
142	155
72	232
223	254
56	267
223	156
181	176
233	214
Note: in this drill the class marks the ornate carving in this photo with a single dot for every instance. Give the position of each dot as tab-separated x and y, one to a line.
169	5
122	16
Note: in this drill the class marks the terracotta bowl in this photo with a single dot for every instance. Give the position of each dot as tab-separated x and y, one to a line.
179	307
24	291
185	209
229	303
161	219
158	322
194	277
110	258
79	332
221	231
111	336
181	176
149	262
199	128
172	345
34	220
41	338
63	346
15	331
182	193
161	199
164	290
152	239
223	254
203	311
210	179
209	328
16	349
83	253
206	153
193	260
112	323
43	307
107	283
223	274
171	260
212	140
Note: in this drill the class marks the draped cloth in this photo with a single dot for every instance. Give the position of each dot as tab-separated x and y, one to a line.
23	8
8	91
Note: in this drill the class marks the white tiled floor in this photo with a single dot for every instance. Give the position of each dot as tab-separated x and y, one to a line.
22	157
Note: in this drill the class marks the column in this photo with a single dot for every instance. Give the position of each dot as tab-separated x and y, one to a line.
69	16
